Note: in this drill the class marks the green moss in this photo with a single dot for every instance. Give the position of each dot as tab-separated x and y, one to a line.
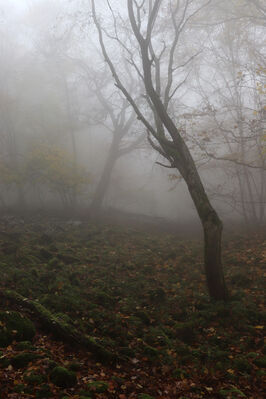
4	362
145	396
143	316
150	352
44	392
127	352
63	378
185	331
241	280
98	387
23	359
51	364
84	395
179	373
261	373
260	362
252	355
75	366
157	295
14	326
229	392
19	388
34	379
24	345
242	364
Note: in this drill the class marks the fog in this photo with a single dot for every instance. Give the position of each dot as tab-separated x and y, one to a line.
71	143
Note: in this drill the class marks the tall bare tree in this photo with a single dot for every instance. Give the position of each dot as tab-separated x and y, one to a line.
151	56
120	120
234	117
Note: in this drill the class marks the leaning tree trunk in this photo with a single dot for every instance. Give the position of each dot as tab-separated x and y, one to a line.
211	223
180	157
212	227
175	149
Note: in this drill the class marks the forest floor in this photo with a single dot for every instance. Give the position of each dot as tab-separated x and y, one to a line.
142	297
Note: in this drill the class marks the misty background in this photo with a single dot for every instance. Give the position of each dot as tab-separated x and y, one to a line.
70	142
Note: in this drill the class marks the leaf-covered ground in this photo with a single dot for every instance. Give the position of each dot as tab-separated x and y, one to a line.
142	296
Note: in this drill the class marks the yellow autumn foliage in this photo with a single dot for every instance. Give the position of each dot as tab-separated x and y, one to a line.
8	175
54	166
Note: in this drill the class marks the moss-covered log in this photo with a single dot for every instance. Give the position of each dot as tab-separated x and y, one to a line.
59	328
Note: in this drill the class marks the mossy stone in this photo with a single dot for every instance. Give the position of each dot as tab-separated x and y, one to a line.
4	362
44	392
14	326
261	373
51	364
260	362
19	388
23	359
24	345
98	386
74	366
34	379
85	395
63	378
242	365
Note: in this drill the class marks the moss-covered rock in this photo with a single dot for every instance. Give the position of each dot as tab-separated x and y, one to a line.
4	361
23	359
85	395
44	392
14	326
24	345
241	364
75	366
33	379
145	396
260	362
19	388
97	387
63	378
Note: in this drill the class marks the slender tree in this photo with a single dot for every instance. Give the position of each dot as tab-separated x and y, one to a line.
120	120
164	134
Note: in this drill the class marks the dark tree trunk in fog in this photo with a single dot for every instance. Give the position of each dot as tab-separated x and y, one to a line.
104	181
171	145
121	119
212	227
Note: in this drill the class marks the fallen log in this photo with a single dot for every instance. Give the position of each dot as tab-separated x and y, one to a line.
59	328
